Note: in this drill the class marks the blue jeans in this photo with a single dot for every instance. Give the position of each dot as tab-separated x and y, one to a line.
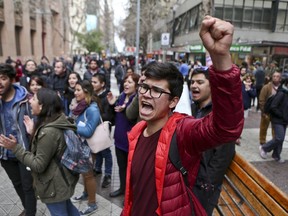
106	154
276	143
64	208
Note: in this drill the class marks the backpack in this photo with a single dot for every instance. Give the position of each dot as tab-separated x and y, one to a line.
76	156
267	105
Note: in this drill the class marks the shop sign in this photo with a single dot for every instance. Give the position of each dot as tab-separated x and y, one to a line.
240	48
197	49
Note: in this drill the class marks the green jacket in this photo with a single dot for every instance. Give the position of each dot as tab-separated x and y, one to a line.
48	143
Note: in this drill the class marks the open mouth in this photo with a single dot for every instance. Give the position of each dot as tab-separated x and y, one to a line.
195	93
146	108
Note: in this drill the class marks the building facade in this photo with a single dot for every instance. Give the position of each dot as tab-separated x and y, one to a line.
261	29
33	28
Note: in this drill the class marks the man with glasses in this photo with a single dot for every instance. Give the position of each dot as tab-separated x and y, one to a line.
153	185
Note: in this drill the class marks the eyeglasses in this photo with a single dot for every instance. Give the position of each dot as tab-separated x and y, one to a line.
155	92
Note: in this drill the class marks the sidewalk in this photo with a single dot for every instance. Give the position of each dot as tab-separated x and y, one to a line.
10	204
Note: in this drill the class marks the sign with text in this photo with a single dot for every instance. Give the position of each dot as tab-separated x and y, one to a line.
165	39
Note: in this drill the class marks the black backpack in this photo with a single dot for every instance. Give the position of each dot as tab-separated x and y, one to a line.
176	161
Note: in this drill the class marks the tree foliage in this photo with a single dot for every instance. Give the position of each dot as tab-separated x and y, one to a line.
151	10
91	40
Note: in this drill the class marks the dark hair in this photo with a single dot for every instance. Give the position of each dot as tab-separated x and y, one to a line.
101	77
201	71
51	106
88	89
183	61
169	72
7	70
77	75
30	60
38	80
93	60
130	68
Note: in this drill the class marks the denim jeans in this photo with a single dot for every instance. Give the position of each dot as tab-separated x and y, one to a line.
276	143
23	183
64	208
105	154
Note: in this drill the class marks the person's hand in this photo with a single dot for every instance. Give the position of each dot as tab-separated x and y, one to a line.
29	124
142	78
120	108
111	99
8	142
265	116
217	36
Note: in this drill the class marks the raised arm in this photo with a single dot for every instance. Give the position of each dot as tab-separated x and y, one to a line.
217	38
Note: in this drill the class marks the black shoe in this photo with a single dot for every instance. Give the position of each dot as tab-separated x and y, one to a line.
116	193
97	173
107	181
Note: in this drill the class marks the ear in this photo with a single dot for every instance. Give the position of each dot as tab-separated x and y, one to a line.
173	103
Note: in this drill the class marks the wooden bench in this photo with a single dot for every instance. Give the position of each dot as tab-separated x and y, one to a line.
246	191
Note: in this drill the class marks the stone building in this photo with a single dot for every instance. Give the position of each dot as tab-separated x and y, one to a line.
33	28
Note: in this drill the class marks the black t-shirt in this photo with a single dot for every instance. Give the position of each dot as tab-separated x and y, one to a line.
143	176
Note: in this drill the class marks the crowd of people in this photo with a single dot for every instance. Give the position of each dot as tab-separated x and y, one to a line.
38	101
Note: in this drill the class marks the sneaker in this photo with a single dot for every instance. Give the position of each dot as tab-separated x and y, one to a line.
281	160
80	198
106	181
89	210
262	153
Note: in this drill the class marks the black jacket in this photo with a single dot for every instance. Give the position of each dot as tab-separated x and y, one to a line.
279	107
215	161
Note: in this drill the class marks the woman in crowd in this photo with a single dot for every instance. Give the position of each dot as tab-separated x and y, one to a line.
248	92
73	78
35	83
47	144
122	126
107	113
87	117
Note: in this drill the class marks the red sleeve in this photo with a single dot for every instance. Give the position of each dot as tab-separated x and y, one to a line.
224	123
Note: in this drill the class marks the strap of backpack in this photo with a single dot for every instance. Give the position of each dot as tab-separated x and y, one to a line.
57	161
174	157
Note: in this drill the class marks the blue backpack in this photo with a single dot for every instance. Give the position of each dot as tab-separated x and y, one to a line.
76	156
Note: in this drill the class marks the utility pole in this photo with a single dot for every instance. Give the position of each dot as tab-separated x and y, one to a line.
137	36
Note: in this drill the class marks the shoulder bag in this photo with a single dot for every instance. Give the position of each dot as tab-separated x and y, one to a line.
101	138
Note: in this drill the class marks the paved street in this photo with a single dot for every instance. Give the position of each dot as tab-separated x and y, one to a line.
277	173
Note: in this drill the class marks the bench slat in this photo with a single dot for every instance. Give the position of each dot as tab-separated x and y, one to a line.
256	205
280	197
238	199
255	190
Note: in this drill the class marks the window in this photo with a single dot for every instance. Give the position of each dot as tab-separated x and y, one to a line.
245	14
17	38
1	49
